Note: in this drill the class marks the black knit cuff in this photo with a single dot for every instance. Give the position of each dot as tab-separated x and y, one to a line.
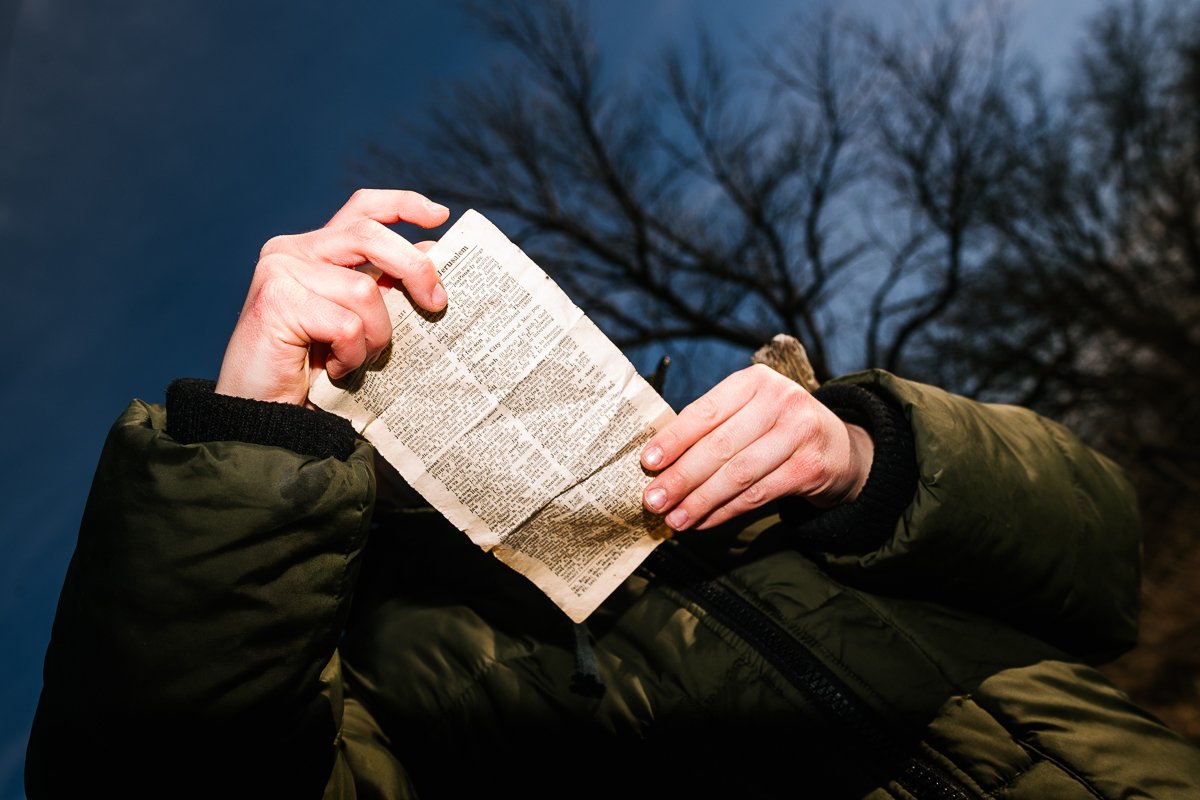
868	522
196	413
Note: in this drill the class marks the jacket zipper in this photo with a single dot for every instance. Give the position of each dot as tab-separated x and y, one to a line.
803	670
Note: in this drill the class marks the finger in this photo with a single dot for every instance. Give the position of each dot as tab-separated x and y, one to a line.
354	291
809	469
324	321
698	419
366	240
386	281
390	206
706	457
770	487
298	304
741	474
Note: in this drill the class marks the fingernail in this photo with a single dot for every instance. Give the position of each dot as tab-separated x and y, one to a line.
438	297
655	498
652	457
435	208
677	519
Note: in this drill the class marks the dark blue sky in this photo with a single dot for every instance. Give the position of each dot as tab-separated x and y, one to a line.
147	149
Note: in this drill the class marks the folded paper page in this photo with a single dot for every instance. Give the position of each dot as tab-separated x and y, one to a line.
515	417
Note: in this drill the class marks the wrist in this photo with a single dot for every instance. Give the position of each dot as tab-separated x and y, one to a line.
866	522
853	456
256	376
862	456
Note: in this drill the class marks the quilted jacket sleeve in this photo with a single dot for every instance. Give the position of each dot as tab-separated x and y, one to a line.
1012	516
194	648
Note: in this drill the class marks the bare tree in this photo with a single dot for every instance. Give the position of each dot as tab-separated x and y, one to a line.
947	145
1090	304
716	200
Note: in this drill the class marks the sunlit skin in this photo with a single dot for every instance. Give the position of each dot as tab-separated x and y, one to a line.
305	308
752	438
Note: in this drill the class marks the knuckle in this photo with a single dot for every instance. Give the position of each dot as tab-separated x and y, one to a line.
754	495
364	230
271	266
795	404
276	244
740	472
764	379
350	327
705	409
800	419
363	289
759	373
361	195
274	294
676	481
720	445
773	383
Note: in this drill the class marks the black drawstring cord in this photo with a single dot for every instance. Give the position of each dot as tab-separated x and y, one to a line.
585	680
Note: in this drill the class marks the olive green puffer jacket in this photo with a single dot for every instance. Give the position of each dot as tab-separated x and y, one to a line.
241	620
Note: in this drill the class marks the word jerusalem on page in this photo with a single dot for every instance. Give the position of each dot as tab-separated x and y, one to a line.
515	417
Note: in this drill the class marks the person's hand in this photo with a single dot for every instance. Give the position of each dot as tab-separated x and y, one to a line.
754	437
306	308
